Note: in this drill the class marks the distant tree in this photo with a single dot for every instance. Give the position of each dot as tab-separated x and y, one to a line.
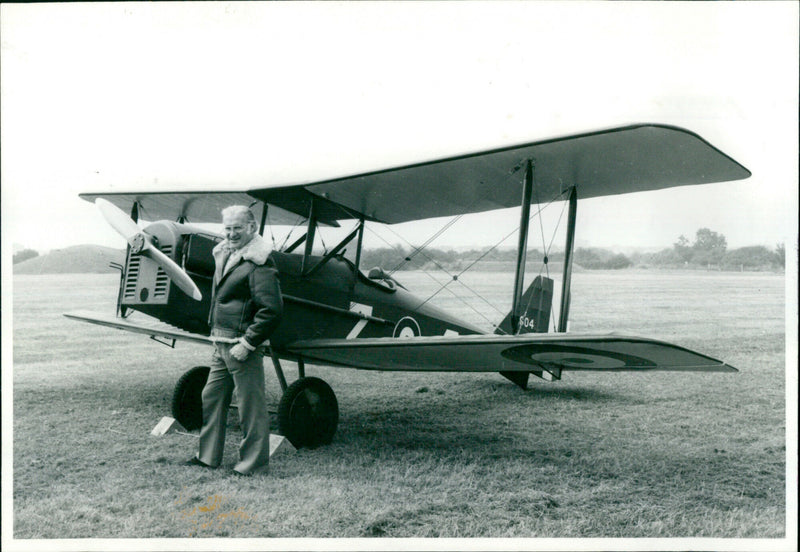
553	255
588	257
752	257
683	249
708	247
386	257
24	255
780	254
618	261
666	257
596	258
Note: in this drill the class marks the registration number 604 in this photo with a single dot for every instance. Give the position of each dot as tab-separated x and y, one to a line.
525	322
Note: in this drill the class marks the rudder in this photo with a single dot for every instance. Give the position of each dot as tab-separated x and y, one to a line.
538	301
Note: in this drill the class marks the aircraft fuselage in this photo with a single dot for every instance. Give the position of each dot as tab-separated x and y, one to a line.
334	301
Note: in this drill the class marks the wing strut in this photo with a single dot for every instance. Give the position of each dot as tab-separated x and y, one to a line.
335	251
525	211
263	224
567	278
310	234
360	242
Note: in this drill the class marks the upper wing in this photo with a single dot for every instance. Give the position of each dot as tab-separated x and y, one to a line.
500	353
609	162
617	161
193	206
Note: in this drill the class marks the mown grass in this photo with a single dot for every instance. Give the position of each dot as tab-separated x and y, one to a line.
420	455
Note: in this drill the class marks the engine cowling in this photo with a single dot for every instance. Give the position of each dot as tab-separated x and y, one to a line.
147	288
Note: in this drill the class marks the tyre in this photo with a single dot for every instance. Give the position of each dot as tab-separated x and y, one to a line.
187	399
308	413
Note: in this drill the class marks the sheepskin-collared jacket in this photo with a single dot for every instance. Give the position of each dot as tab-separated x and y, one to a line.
246	295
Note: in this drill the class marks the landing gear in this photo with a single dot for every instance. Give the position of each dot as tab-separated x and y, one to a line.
308	413
187	398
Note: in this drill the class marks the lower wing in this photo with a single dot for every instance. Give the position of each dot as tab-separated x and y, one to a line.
551	353
156	329
500	353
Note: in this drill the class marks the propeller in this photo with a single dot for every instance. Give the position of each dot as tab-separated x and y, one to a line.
142	244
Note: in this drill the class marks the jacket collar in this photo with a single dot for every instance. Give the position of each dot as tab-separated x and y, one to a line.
256	251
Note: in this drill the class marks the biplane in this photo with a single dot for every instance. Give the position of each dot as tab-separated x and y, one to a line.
337	314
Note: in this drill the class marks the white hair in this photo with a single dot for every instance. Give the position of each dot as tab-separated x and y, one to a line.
235	210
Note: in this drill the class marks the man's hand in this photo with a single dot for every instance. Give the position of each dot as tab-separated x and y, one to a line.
240	352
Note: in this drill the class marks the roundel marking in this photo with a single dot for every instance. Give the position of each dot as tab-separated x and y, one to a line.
406	327
580	360
576	357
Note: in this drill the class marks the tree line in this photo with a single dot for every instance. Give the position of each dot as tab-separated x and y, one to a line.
24	255
708	251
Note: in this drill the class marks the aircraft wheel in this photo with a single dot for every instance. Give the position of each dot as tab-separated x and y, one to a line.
187	399
308	413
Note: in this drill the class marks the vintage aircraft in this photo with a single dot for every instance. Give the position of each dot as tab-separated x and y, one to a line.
337	315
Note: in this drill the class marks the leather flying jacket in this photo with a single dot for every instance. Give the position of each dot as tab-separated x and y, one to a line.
246	298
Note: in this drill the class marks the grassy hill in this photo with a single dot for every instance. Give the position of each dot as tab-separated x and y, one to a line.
78	259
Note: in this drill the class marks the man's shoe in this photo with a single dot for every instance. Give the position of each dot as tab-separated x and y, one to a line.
260	471
263	470
195	461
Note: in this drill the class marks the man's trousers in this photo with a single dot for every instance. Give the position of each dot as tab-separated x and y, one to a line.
247	378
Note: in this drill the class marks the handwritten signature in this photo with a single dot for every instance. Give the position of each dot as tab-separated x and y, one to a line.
210	515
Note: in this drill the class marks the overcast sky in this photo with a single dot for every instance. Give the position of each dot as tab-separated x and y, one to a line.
151	96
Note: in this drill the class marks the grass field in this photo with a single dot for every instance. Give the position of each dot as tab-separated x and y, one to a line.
420	455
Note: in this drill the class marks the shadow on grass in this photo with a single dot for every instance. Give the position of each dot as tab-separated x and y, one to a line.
503	419
495	387
574	393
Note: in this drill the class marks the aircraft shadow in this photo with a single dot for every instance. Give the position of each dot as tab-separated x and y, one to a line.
538	390
474	417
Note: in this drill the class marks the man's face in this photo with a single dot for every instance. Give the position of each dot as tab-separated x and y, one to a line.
238	231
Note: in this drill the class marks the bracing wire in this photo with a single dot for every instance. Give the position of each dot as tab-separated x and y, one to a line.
416	249
424	245
547	248
453	277
291	231
420	250
514	231
552	239
456	277
541	233
442	286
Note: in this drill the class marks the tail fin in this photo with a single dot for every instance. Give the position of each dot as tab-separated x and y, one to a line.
538	300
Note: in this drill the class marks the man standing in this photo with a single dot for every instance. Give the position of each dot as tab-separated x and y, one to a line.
245	304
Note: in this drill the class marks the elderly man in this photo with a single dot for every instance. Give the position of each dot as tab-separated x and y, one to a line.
245	304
